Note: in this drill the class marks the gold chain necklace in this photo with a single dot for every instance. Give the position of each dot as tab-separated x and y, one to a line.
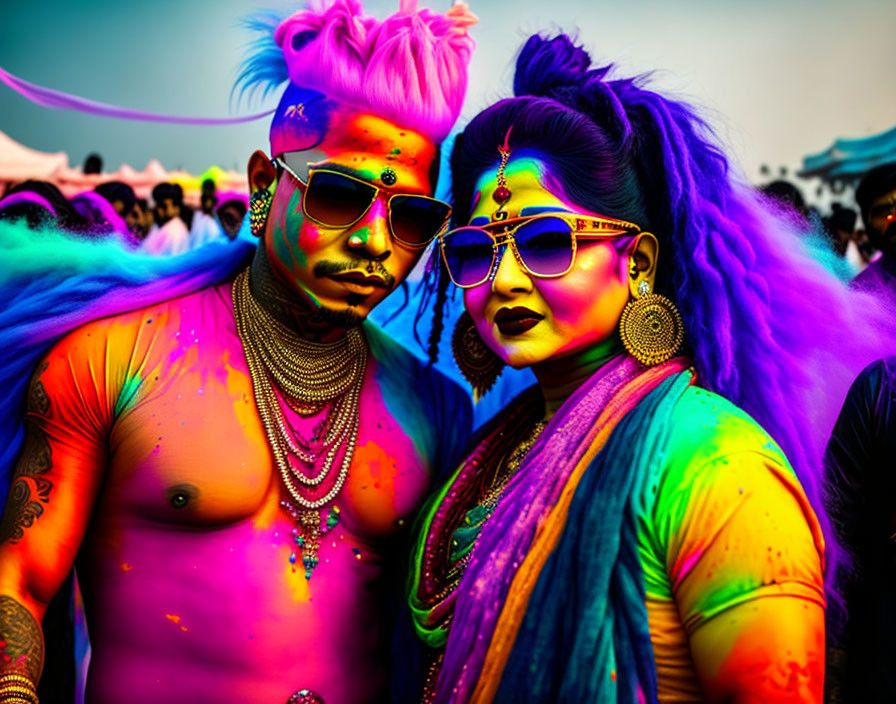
314	376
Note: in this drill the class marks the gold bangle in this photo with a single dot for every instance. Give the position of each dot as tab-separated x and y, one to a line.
17	698
17	691
15	677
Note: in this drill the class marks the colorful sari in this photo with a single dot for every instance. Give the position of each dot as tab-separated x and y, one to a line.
585	467
647	509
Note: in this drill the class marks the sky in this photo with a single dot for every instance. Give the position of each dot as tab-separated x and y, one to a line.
778	79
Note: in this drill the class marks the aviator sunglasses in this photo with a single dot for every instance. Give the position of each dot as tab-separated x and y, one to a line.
544	245
335	199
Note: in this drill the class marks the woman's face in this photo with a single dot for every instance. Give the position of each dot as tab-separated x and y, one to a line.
527	320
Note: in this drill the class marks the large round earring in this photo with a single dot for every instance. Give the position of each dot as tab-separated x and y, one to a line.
480	366
651	327
259	205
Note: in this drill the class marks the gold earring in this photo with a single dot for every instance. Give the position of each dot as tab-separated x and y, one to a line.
651	327
259	204
480	366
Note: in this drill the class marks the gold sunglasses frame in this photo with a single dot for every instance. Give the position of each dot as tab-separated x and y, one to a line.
585	226
377	190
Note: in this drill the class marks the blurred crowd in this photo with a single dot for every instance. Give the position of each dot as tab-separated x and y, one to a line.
163	224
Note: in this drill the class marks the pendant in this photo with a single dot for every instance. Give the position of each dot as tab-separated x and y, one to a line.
307	532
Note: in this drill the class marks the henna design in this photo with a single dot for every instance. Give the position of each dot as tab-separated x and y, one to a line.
21	641
38	401
29	489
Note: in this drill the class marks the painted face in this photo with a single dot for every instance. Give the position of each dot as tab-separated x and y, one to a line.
881	219
526	319
349	269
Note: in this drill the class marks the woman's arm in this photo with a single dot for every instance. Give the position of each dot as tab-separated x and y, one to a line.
746	569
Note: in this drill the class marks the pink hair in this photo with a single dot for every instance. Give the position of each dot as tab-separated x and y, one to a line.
410	68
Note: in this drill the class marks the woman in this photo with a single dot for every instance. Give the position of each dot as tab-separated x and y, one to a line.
626	531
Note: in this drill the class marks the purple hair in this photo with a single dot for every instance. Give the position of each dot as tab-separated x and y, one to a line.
767	326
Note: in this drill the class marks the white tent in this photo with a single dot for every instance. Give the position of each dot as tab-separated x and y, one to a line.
19	163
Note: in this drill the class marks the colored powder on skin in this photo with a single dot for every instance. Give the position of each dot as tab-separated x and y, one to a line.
127	395
363	234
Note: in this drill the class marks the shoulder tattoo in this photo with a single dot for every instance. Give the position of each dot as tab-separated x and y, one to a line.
21	642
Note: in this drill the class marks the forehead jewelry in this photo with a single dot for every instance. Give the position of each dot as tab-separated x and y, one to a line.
388	177
502	193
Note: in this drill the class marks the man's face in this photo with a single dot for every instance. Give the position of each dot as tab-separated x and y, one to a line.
230	217
135	219
349	270
881	223
166	210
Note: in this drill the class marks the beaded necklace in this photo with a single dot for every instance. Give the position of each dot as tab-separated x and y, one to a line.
464	507
312	378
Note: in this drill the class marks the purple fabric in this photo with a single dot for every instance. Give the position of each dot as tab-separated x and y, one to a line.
55	99
507	536
879	278
26	197
101	218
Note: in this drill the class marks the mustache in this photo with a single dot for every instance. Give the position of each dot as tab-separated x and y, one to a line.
328	268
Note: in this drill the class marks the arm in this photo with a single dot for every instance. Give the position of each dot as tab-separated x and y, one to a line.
54	485
746	570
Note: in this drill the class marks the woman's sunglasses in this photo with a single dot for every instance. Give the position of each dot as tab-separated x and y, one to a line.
335	199
544	245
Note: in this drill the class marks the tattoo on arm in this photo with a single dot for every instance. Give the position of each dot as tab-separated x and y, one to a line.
30	489
21	642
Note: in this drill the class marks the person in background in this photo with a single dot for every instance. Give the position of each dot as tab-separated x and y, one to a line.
40	203
170	234
120	195
93	164
860	478
231	212
876	197
205	227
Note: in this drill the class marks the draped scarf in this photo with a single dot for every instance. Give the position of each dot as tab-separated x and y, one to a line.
587	640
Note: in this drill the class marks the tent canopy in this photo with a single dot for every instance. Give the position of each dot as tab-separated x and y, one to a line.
848	159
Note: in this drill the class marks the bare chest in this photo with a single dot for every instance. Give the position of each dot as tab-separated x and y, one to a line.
190	448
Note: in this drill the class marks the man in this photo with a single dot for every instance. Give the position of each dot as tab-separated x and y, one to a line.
876	196
860	490
120	195
170	235
205	226
231	467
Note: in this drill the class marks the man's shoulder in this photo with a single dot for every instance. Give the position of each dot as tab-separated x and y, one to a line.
127	326
880	272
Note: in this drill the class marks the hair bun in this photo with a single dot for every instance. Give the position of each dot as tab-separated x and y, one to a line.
548	64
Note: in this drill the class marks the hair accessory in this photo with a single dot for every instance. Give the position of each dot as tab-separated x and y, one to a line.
480	366
502	192
651	327
388	177
259	204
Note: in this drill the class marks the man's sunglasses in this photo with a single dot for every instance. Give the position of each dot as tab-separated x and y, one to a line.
335	199
544	245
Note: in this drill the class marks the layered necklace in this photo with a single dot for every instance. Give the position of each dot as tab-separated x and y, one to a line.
312	379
